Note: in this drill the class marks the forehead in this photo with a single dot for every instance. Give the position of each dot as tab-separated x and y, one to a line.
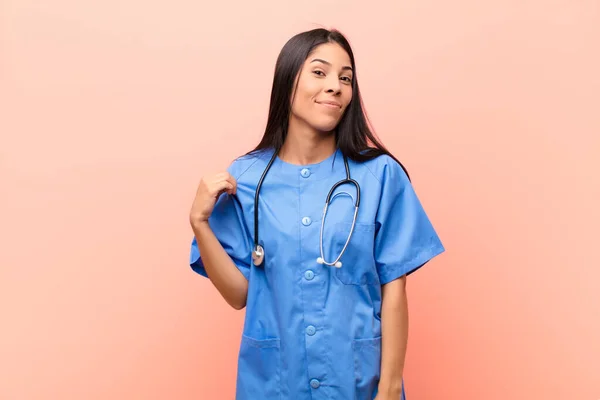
332	53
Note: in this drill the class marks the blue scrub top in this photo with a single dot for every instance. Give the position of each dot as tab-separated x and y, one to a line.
312	331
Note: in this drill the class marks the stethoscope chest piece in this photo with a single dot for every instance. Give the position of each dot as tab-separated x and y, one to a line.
258	255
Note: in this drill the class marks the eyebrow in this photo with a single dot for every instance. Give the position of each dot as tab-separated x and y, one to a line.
346	67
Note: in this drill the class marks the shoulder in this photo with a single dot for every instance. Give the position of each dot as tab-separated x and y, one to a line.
247	165
385	168
241	165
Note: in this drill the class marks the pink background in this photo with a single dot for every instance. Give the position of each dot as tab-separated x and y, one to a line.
113	110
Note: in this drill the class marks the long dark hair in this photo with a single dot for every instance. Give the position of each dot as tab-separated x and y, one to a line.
353	135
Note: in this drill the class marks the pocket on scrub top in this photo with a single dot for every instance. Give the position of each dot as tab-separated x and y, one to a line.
259	367
358	262
367	366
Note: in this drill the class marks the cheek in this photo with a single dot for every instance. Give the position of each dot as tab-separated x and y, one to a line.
305	101
310	91
305	92
302	104
347	99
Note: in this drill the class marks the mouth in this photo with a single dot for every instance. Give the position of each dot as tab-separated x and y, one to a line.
330	104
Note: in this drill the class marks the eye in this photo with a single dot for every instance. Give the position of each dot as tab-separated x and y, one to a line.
347	79
318	72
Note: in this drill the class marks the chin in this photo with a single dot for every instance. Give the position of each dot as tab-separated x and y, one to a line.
326	126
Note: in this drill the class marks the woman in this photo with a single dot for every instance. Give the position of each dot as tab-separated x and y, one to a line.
317	326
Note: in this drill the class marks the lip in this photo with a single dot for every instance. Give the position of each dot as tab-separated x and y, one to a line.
330	104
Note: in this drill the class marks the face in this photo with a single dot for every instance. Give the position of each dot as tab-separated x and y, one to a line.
324	88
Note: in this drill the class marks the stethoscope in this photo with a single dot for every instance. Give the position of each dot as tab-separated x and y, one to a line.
258	254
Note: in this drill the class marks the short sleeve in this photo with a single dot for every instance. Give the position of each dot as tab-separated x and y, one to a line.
405	238
227	223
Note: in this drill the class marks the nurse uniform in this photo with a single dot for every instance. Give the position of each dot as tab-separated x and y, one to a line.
313	331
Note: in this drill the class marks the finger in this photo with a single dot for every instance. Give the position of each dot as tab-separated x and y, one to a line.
227	178
223	182
225	186
230	188
233	183
222	176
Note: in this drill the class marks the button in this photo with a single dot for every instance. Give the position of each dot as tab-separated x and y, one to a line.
306	221
305	172
315	383
311	330
309	275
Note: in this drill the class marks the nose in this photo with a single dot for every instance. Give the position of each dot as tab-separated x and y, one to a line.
333	84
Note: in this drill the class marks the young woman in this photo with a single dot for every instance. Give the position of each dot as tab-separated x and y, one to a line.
323	286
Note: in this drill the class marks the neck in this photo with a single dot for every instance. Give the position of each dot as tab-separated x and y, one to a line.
304	145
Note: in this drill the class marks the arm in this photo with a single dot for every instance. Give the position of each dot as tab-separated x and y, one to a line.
394	336
217	263
406	241
221	270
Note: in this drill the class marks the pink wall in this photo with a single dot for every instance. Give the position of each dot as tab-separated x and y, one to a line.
107	114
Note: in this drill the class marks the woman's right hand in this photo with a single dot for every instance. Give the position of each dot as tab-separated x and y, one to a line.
209	190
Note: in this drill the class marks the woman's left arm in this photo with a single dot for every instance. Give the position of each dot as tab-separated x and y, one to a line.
394	336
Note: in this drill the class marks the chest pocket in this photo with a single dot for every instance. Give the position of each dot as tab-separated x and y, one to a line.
358	262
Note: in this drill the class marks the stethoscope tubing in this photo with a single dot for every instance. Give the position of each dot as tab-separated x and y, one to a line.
258	251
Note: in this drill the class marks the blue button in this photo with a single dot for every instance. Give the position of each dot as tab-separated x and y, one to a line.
306	221
315	383
309	275
305	172
311	330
